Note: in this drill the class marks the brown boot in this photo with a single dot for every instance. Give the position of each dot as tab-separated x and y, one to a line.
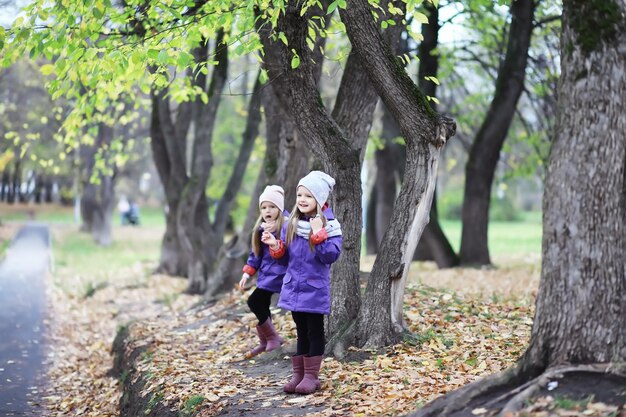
310	383
297	364
271	336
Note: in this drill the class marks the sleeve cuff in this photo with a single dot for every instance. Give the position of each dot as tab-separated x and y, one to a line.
249	270
277	254
319	237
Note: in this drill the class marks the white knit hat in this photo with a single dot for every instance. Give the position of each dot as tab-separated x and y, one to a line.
274	194
319	184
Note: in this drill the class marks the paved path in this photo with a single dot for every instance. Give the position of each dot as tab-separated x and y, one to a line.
22	310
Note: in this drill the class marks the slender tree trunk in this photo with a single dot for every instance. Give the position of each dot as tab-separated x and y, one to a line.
388	160
98	199
193	227
14	187
434	244
5	189
47	186
485	151
371	239
169	161
227	271
380	318
38	191
234	183
580	319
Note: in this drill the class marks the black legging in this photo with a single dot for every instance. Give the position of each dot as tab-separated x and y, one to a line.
310	330
259	303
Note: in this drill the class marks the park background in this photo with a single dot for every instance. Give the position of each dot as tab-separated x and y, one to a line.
469	296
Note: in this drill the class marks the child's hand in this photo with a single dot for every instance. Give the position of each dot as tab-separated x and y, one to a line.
269	226
269	239
242	283
316	224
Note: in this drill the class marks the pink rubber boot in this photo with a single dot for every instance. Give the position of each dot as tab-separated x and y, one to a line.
262	344
310	383
271	336
297	362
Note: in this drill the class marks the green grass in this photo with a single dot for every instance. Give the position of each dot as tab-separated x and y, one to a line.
505	238
56	214
79	252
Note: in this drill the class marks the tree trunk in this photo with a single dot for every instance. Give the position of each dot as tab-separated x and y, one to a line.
388	175
38	191
194	231
580	319
338	142
169	161
380	320
434	244
226	272
14	185
98	199
581	307
47	186
486	148
234	183
5	189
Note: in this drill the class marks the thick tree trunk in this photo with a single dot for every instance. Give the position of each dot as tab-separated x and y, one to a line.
581	306
425	133
580	319
487	145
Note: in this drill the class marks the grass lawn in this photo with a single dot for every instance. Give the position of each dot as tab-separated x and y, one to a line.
505	238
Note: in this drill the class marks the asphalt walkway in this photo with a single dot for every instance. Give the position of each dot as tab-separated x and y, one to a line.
22	313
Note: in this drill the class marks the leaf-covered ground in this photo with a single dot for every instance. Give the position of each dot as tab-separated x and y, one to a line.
466	324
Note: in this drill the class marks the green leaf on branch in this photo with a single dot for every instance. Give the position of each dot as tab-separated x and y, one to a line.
295	61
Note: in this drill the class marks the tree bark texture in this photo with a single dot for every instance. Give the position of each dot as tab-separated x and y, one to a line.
168	150
485	151
580	318
434	244
194	230
425	133
338	151
581	307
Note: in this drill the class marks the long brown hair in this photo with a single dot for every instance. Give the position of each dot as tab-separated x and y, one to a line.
256	239
292	225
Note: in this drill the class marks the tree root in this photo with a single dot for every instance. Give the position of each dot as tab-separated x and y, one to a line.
518	401
339	343
521	388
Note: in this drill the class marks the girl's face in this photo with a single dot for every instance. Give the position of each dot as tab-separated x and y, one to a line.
269	211
305	201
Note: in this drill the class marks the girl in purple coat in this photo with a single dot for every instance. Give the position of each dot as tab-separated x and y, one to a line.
312	242
270	272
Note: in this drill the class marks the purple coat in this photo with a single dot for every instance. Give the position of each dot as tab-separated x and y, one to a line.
270	271
306	286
